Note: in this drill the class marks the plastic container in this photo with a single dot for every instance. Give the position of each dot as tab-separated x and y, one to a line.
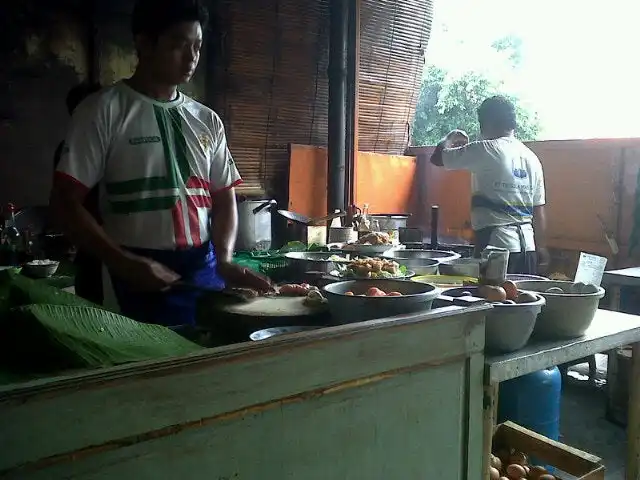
533	401
520	277
508	326
494	265
465	267
566	315
272	263
444	281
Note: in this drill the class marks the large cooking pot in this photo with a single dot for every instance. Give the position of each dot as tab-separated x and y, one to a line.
355	308
390	221
302	262
254	224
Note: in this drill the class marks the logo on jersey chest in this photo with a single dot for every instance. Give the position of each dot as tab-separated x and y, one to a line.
143	140
205	141
520	173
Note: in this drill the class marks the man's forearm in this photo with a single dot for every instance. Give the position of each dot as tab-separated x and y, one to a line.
225	225
84	231
540	226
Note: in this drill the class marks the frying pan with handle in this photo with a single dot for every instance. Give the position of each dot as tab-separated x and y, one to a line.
304	220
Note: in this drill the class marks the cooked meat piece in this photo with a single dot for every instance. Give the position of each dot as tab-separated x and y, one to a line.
294	290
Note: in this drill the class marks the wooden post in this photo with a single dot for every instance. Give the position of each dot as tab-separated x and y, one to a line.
489	419
353	83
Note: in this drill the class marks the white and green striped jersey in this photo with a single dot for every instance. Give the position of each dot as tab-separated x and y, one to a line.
158	164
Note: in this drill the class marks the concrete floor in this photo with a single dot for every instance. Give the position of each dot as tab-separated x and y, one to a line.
583	422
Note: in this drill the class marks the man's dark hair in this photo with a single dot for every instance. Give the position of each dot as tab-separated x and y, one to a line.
78	93
499	112
153	17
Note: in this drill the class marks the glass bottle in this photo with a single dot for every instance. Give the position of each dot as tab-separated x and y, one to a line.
365	222
10	238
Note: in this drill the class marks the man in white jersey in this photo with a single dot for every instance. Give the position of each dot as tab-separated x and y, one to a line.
508	194
166	175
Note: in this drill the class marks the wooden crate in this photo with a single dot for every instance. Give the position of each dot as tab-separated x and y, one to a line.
576	463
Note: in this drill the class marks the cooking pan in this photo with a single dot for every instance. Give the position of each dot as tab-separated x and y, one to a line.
303	220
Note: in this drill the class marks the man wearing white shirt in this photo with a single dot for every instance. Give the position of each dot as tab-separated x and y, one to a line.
165	174
507	184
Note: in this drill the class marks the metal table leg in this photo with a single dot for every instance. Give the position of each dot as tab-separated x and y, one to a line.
612	355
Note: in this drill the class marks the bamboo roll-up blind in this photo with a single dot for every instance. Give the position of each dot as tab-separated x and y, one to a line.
271	88
394	36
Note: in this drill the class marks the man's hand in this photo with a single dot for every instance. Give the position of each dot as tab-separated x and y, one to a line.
144	274
239	276
544	261
457	138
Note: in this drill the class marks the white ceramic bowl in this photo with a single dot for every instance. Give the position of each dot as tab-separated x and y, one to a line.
41	270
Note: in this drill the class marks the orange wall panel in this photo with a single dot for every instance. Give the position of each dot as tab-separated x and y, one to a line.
586	181
308	180
385	182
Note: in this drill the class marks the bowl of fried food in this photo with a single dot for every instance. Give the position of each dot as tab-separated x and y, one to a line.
371	268
372	243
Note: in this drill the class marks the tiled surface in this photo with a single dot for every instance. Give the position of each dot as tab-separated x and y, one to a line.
584	426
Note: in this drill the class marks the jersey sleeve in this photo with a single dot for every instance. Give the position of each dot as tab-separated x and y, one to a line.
223	172
539	193
473	157
83	155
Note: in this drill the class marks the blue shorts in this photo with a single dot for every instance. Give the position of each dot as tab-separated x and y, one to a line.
175	307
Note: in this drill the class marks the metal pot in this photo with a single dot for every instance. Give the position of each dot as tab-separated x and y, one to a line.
302	262
254	224
461	267
416	297
421	266
402	256
390	221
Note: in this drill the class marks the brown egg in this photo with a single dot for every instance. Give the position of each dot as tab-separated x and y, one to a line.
496	462
494	474
546	476
515	472
503	478
526	297
510	289
492	294
536	472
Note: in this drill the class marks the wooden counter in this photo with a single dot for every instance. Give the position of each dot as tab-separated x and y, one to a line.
608	331
397	398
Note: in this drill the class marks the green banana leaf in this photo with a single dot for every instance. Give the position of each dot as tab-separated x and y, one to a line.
51	338
16	290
